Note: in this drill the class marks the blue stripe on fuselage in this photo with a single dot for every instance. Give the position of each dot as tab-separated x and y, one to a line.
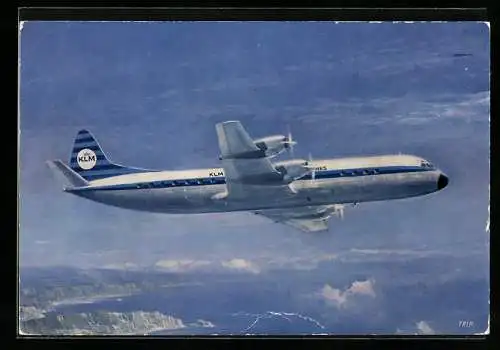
220	180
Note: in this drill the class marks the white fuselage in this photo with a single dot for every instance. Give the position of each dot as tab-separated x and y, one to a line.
336	181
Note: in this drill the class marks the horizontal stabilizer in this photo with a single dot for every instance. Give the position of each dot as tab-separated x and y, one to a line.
69	176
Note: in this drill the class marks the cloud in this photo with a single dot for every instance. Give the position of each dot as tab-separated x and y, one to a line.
181	265
204	323
366	255
124	266
363	288
184	265
338	298
419	328
333	295
387	251
241	265
257	265
424	328
307	262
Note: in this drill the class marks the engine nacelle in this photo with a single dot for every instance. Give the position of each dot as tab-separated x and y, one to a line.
273	145
292	169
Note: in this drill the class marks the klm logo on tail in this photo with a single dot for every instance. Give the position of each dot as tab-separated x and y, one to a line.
86	159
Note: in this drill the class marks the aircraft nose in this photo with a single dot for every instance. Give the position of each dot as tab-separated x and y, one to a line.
442	181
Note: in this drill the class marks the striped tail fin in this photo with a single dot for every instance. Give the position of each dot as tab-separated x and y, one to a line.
89	161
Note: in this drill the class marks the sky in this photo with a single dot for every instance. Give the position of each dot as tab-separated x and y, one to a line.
152	93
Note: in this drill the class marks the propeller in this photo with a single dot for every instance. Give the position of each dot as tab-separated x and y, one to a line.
309	161
340	210
337	209
289	143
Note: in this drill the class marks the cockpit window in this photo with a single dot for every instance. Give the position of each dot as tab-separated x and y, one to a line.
426	164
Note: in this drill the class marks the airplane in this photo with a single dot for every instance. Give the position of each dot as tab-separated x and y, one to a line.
301	193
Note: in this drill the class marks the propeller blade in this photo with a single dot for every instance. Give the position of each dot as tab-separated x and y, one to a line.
289	141
313	173
339	210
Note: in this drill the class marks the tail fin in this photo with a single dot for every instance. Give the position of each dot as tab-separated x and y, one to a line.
89	161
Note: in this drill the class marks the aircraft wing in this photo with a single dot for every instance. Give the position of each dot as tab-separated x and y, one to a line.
248	172
306	219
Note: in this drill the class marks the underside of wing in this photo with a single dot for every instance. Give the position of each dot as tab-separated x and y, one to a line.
307	219
248	171
309	225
